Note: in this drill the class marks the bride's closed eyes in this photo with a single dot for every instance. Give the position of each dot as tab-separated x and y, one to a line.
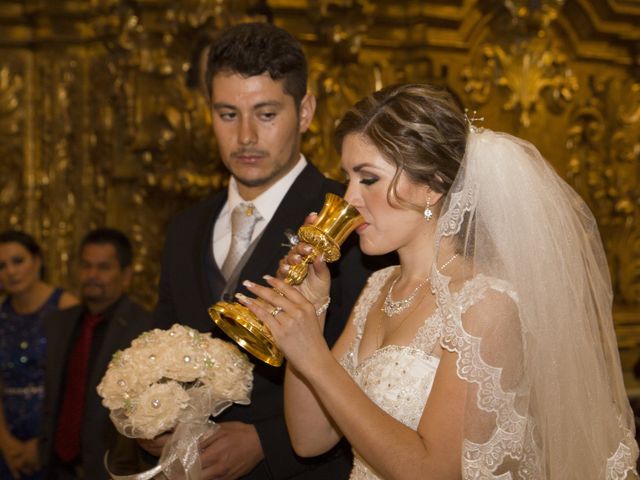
369	180
365	180
368	173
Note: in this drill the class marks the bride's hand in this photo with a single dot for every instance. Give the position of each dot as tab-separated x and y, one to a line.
292	320
315	287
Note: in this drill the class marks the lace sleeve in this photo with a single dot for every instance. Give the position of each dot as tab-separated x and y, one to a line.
501	439
484	329
545	396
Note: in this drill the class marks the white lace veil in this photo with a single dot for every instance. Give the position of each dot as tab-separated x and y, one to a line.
545	397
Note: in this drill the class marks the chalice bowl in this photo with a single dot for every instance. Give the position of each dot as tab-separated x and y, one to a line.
334	223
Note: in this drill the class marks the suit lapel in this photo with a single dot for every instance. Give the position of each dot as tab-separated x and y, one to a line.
210	283
59	342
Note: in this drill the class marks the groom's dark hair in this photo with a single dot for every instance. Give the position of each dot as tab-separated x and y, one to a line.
251	49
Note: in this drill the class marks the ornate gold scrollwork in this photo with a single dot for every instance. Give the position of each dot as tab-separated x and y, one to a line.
11	145
338	76
604	147
11	86
527	62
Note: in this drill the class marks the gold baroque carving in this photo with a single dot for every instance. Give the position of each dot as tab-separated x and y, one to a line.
604	146
63	179
11	86
526	62
337	74
12	113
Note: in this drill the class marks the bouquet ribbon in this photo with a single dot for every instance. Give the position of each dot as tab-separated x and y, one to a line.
180	457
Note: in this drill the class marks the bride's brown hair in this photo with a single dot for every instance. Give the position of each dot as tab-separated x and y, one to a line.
418	128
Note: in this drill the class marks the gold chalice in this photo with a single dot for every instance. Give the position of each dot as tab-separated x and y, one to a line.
334	224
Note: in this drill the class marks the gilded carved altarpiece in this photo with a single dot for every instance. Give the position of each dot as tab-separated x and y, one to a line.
103	120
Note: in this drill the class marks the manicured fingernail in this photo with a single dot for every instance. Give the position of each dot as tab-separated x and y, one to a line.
307	248
248	283
286	267
240	296
267	277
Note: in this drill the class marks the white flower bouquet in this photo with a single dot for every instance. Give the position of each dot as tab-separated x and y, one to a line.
172	380
167	374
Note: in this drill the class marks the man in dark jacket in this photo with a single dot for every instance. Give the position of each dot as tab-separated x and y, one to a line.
81	340
257	80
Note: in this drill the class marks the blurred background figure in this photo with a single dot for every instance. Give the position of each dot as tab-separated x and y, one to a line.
28	298
80	343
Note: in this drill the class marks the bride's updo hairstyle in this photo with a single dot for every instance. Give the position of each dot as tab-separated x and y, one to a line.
418	128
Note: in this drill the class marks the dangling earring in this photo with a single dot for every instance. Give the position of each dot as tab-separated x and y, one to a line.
428	213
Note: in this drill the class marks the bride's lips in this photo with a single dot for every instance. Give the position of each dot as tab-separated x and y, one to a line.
362	228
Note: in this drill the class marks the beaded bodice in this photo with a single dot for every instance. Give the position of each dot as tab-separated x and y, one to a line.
397	378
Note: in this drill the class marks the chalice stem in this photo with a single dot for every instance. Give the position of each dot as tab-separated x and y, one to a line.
297	273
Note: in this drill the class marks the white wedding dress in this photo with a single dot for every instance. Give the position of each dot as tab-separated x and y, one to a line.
532	328
399	378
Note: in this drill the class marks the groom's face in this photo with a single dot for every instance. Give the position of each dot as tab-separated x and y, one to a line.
258	128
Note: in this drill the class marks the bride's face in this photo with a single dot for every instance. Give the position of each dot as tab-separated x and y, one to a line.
387	227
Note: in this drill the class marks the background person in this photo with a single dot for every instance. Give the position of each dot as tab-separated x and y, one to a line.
81	341
22	350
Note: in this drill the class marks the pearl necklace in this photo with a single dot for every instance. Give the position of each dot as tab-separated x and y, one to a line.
394	307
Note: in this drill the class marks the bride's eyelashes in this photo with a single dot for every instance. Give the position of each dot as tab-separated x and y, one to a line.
365	180
369	180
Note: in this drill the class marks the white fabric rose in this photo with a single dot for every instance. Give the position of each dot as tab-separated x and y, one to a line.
168	376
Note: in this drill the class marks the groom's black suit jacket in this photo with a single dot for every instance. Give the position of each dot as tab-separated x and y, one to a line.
191	282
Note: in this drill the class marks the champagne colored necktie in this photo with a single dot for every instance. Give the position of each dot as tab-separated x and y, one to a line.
243	220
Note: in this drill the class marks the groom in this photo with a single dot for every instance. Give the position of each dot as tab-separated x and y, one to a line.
256	75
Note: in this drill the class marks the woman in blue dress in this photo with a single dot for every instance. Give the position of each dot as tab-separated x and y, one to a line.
22	349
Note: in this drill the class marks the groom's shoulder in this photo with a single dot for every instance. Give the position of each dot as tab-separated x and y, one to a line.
313	180
197	212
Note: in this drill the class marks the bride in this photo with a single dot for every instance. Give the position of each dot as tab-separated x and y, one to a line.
489	352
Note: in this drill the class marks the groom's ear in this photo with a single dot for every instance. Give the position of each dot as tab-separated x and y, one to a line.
306	110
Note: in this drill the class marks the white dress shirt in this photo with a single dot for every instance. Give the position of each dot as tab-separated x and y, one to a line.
266	203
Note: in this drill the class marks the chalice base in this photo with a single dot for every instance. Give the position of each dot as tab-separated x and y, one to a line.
239	323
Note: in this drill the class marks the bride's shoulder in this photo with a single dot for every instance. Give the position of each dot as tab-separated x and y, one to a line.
482	285
484	300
